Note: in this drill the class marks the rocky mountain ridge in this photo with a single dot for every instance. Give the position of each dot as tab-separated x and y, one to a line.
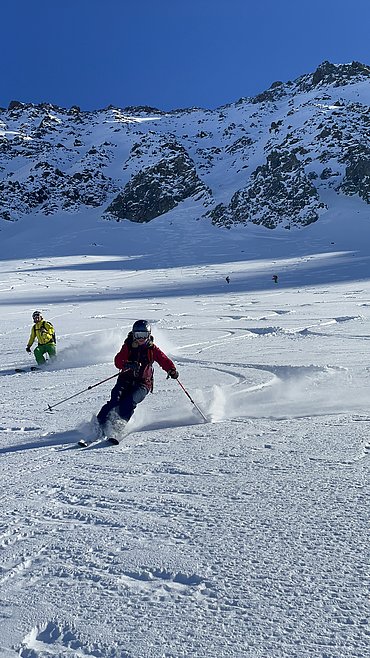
268	160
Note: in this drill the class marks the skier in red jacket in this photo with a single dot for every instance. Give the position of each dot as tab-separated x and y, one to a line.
135	360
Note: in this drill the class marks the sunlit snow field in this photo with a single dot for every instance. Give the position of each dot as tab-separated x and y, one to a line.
242	537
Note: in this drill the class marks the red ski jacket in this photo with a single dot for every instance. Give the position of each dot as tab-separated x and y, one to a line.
136	362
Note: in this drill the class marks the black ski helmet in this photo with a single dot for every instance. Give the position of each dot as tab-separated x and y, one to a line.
141	326
36	314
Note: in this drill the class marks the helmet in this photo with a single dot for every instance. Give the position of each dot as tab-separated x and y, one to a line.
141	329
36	314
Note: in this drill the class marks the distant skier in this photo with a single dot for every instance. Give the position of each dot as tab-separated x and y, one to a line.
135	360
227	279
275	278
44	333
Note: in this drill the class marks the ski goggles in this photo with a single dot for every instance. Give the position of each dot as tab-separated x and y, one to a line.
141	335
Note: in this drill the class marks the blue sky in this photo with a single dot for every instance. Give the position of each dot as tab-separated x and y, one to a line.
170	53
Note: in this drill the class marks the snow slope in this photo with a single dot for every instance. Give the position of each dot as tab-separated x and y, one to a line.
242	537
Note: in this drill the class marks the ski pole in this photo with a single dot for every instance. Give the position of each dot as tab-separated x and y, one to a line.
51	407
192	401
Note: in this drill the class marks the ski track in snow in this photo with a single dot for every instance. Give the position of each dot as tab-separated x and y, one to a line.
243	537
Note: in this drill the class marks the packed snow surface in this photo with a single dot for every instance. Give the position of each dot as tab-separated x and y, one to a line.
241	537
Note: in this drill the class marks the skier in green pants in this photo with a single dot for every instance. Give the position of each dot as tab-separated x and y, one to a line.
43	332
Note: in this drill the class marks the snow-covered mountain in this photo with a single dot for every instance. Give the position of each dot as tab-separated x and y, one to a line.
268	160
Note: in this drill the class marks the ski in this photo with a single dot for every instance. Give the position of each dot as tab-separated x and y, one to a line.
85	443
31	369
113	441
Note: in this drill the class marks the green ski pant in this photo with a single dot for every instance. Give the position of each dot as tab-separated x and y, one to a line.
40	350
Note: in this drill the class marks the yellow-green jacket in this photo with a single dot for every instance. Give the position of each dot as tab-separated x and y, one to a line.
42	331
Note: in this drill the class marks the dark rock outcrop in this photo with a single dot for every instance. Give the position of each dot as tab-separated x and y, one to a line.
357	175
279	192
156	190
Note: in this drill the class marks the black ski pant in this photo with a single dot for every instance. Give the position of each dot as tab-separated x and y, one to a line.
124	398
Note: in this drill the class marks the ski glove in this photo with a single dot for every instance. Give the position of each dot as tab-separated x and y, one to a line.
28	349
132	366
173	373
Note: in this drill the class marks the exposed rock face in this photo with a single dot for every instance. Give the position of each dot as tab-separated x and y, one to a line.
268	160
156	190
339	75
278	192
47	188
15	105
357	175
